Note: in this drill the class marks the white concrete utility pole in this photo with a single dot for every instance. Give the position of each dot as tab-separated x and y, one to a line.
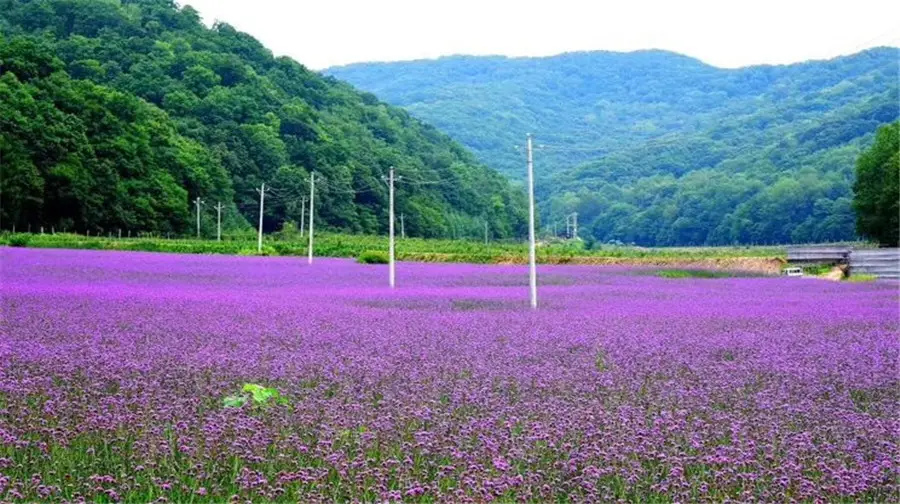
402	228
198	202
312	199
391	266
302	215
575	225
262	199
572	226
219	208
532	259
485	232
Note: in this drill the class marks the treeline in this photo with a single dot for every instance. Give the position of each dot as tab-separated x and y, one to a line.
876	197
118	114
661	149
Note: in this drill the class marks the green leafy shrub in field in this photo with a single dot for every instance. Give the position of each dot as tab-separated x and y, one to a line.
266	251
261	396
289	249
145	246
18	240
372	257
290	231
330	244
817	269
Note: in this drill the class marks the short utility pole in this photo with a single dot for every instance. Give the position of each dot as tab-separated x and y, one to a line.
312	207
198	202
219	207
262	202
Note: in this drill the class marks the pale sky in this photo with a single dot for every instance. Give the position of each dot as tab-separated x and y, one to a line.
725	33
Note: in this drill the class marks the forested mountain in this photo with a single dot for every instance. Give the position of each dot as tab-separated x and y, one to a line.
661	149
117	114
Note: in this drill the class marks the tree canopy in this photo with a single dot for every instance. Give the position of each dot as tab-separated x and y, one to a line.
657	148
876	191
116	114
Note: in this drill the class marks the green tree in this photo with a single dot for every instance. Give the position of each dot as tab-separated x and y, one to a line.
876	191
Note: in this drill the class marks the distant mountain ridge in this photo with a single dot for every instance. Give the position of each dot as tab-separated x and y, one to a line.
631	140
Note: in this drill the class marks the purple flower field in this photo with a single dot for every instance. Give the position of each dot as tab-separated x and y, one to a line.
623	385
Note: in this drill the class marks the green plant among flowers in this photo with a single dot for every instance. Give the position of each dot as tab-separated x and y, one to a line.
261	396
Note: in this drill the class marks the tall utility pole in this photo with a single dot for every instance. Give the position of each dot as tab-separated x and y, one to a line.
219	208
312	206
402	228
391	267
262	200
302	215
198	202
532	259
485	232
391	226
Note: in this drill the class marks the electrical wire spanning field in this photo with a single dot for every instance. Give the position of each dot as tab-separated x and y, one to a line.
135	376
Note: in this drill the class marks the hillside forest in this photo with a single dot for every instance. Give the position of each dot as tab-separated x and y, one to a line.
657	148
119	114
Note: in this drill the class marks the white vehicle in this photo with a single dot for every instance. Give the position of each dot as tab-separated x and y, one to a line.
793	271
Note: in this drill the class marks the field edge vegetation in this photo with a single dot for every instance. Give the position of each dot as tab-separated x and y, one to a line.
767	259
